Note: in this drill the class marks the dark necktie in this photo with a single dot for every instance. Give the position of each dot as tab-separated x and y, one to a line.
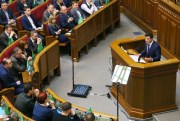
148	47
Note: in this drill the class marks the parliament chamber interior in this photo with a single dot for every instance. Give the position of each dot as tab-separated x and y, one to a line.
89	60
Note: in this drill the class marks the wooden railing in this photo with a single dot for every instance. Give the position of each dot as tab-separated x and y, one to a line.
93	26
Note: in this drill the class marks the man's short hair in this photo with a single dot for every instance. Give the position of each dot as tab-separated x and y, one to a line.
25	8
75	1
66	106
27	87
33	32
89	117
16	50
5	61
7	26
149	35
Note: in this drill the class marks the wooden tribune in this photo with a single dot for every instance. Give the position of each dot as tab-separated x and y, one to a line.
93	26
151	87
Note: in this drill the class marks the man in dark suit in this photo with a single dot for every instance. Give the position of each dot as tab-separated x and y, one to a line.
6	78
6	15
33	42
5	36
19	63
58	4
152	50
23	3
66	19
6	1
28	21
25	101
99	3
67	3
76	12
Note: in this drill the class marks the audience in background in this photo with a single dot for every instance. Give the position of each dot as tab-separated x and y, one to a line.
76	12
50	11
44	109
58	4
88	7
66	19
6	15
7	79
5	36
33	42
19	63
28	21
21	4
67	113
89	117
55	30
67	3
26	100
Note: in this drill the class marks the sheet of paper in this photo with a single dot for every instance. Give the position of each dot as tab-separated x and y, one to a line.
135	58
121	74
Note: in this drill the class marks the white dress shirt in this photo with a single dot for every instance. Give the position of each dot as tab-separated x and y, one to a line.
31	21
91	10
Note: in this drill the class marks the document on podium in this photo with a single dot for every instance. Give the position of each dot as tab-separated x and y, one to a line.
136	57
121	74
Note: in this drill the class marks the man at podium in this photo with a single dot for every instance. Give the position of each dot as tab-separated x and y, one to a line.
152	50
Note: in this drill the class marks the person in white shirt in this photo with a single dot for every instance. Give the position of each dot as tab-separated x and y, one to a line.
88	7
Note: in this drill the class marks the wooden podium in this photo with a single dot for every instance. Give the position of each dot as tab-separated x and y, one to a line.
151	87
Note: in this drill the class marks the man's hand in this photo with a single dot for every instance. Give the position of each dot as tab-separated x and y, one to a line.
39	40
11	34
18	82
148	59
70	19
36	92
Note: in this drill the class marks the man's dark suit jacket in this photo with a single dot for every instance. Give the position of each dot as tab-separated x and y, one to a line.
27	25
32	47
6	78
75	15
57	6
64	21
19	66
20	5
154	52
25	104
3	18
67	3
4	41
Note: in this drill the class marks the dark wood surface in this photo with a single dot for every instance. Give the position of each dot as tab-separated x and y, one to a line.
151	87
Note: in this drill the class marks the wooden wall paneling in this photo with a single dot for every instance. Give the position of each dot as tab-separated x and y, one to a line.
172	36
178	42
43	67
140	8
148	12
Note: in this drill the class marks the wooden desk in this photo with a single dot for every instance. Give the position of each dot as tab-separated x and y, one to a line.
151	87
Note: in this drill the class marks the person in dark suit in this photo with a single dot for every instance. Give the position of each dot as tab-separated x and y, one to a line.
67	113
4	37
58	4
19	63
55	30
25	101
6	78
28	21
6	1
33	42
6	15
23	3
66	19
76	12
152	50
99	3
43	109
66	3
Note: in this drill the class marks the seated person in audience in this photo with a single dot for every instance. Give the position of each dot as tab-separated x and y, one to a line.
43	109
6	15
50	11
152	50
37	2
88	7
55	30
5	36
24	47
21	4
19	63
89	117
66	3
6	1
67	113
76	12
25	101
6	78
58	4
66	19
28	21
33	42
99	3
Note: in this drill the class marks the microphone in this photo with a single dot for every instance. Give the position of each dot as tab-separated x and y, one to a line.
139	58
